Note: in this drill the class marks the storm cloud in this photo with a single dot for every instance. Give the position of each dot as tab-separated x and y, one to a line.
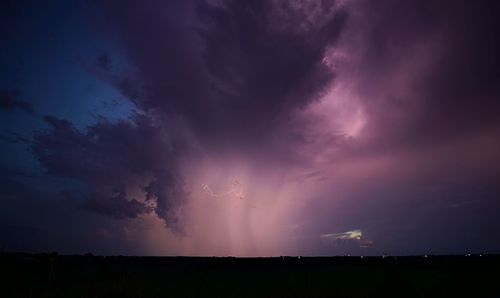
253	127
109	156
232	77
233	71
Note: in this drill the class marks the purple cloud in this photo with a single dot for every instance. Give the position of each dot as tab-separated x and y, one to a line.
109	156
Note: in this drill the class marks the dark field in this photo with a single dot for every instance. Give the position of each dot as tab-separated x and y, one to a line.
51	275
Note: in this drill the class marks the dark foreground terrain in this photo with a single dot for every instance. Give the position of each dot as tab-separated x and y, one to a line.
51	275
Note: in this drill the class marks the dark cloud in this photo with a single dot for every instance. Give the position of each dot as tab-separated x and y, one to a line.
118	206
9	100
109	156
234	71
261	69
167	189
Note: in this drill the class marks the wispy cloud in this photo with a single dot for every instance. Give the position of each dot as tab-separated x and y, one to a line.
349	235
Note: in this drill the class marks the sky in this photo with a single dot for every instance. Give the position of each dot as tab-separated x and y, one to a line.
250	128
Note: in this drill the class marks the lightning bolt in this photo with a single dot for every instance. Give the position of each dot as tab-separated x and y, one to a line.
235	190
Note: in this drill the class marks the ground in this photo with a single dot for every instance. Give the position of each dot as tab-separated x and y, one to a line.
52	275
